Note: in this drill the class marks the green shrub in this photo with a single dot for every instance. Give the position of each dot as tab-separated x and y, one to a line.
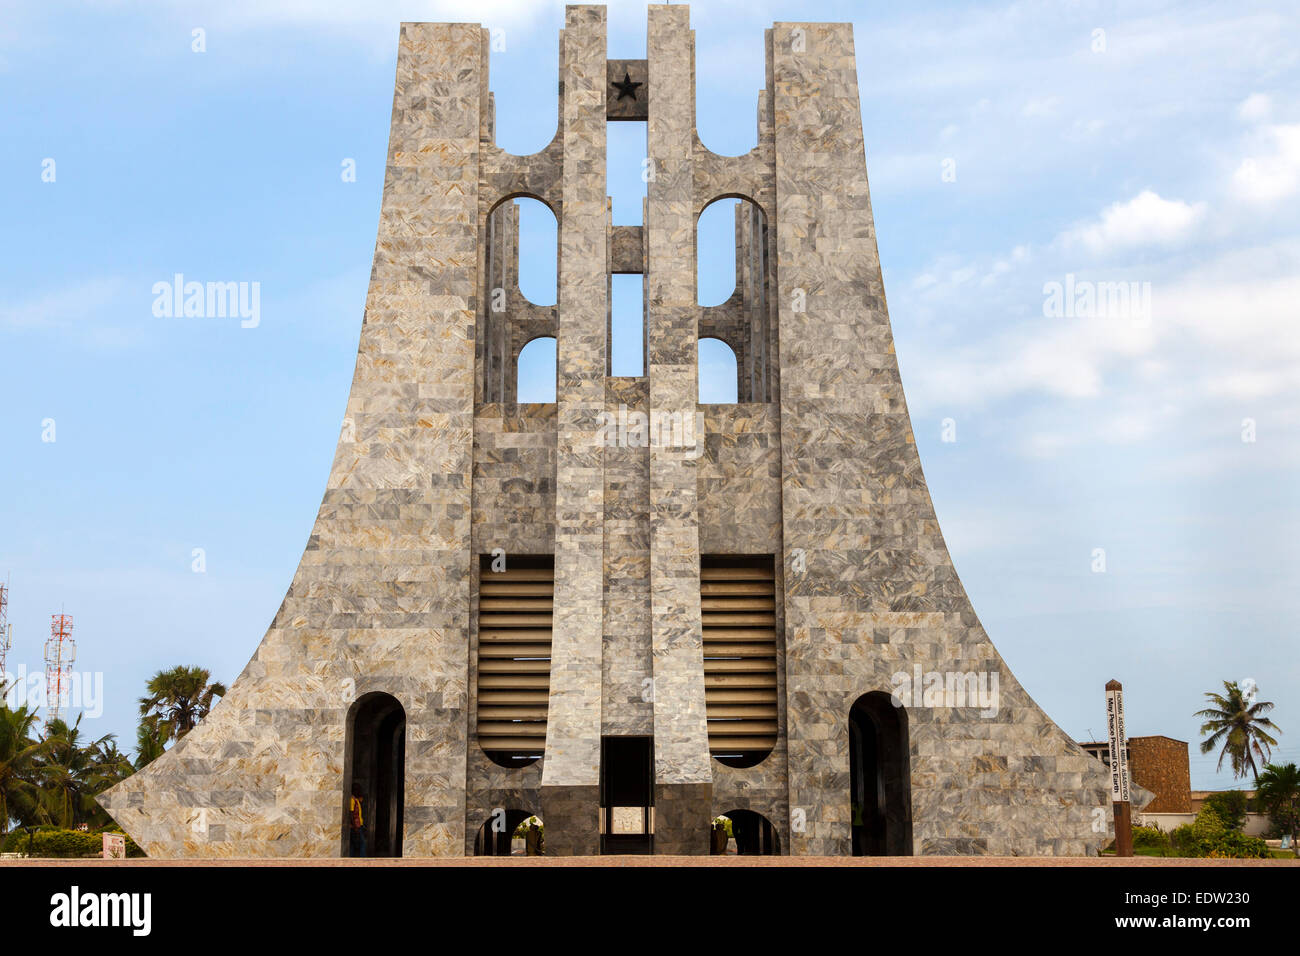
1150	838
1236	845
1229	806
1209	836
51	842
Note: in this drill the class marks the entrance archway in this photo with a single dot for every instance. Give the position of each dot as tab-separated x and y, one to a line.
880	778
376	762
495	837
753	833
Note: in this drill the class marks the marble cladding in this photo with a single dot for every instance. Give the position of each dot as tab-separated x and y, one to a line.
437	464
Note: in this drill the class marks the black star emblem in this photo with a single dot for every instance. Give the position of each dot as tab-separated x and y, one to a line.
627	87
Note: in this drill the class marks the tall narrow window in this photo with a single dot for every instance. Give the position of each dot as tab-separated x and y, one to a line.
626	169
519	291
733	287
738	614
627	325
514	657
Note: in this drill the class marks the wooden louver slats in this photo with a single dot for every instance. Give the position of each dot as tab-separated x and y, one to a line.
738	616
514	658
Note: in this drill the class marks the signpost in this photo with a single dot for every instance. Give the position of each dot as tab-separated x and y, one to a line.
114	846
1119	788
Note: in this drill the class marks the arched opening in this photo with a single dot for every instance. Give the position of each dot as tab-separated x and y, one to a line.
525	117
880	777
511	833
375	776
751	834
734	288
715	252
719	373
519	291
538	251
536	371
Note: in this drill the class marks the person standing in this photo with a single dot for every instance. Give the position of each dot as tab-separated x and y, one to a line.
356	822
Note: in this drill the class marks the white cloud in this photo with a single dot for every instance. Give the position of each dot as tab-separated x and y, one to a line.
1273	176
1255	107
1144	219
1040	106
1220	345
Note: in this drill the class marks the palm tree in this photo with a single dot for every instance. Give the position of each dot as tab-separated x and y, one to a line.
71	773
149	743
17	752
1277	793
178	699
1238	722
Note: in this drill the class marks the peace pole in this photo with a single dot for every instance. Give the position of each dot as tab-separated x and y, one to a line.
1119	793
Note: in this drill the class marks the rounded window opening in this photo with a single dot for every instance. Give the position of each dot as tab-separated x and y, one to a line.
374	777
716	234
536	372
519	280
511	833
537	254
526	116
880	779
728	124
734	288
743	833
719	373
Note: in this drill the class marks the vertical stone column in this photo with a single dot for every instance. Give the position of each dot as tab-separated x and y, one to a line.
683	776
824	245
571	771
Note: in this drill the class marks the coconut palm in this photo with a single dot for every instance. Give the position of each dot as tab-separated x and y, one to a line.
17	752
178	699
1236	722
149	743
1277	793
70	772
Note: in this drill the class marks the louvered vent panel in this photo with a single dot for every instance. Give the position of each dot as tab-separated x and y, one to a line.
738	614
514	657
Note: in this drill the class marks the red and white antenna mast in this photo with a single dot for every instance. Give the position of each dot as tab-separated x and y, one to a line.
6	631
60	653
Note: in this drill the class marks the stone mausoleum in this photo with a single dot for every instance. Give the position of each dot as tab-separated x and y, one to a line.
624	612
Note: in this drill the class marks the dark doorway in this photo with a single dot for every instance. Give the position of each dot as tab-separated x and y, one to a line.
753	833
376	759
880	777
497	834
627	795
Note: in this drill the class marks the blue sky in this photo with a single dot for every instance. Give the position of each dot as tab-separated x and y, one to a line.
1009	145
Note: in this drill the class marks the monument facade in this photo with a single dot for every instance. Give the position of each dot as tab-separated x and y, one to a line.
624	612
